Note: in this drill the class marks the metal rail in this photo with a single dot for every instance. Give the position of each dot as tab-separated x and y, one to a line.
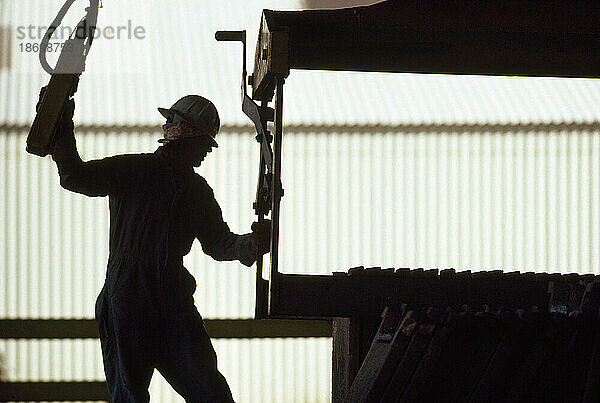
216	328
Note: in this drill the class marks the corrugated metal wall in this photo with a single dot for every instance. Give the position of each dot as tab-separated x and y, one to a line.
468	197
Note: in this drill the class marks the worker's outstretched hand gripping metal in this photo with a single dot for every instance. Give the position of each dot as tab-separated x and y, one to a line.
259	115
65	76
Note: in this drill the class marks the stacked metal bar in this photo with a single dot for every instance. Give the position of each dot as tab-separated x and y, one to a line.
482	353
365	292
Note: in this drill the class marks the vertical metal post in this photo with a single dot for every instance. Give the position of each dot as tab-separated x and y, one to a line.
260	307
261	290
346	355
277	189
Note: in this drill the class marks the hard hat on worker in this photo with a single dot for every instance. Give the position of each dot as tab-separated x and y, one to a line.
190	116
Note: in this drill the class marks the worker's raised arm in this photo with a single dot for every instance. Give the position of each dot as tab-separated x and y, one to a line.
107	176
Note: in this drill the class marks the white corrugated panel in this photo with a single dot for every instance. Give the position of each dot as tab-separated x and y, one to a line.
330	98
51	360
483	198
269	370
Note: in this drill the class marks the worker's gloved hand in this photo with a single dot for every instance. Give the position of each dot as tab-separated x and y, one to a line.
262	236
250	247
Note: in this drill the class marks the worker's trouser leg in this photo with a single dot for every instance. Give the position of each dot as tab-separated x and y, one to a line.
188	361
127	344
134	343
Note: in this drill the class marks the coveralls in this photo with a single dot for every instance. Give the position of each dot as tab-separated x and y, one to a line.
145	312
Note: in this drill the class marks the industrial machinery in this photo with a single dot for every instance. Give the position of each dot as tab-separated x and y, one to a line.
443	335
548	38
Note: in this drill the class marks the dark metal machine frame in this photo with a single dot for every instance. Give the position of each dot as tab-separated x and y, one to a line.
533	38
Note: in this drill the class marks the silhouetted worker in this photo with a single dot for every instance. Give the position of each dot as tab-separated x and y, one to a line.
145	312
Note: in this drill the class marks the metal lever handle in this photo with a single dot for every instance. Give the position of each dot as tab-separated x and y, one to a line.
230	36
236	36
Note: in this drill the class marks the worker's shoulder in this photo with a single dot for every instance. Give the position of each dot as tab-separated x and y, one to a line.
201	186
199	181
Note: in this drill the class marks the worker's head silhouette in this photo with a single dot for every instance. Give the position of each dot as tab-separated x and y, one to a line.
192	124
190	116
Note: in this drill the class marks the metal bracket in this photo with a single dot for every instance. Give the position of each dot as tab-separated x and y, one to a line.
267	189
